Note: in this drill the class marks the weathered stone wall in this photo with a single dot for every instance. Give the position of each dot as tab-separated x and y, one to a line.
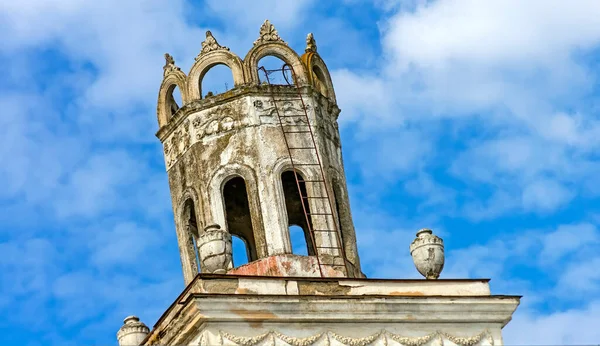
230	310
240	135
208	141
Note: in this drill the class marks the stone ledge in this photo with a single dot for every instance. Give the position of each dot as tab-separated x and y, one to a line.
320	309
258	285
429	314
376	300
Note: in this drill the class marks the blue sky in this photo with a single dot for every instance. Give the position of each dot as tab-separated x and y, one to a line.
478	119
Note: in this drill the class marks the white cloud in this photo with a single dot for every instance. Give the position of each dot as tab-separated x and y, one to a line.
567	239
496	33
545	195
568	327
509	69
123	244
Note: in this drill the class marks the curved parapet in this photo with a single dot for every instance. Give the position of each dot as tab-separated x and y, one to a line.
213	54
270	44
317	72
172	77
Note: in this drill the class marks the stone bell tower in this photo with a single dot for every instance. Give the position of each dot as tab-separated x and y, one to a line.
254	161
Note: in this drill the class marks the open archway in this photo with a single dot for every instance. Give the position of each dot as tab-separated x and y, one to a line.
295	206
238	215
217	80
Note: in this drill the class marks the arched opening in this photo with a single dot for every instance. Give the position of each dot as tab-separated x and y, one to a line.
174	100
217	80
276	75
240	251
238	215
319	80
191	227
294	207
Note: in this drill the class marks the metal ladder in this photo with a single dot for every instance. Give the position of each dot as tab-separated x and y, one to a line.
305	129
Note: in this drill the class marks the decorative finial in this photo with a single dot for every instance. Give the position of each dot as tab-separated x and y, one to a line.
169	65
268	33
427	251
210	44
133	332
214	250
311	44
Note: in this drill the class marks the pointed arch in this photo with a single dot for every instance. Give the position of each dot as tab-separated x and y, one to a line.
205	62
164	109
277	49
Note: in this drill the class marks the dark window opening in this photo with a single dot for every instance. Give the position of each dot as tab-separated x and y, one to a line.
237	210
295	212
191	225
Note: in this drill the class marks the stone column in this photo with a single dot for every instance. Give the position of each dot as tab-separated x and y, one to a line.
133	332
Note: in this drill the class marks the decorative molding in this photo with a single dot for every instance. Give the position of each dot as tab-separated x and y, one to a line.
298	341
311	44
217	121
214	121
350	341
210	44
245	341
169	65
471	340
177	144
268	33
382	335
293	112
414	341
327	124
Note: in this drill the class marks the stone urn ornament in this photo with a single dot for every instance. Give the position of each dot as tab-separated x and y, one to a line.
427	251
214	250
